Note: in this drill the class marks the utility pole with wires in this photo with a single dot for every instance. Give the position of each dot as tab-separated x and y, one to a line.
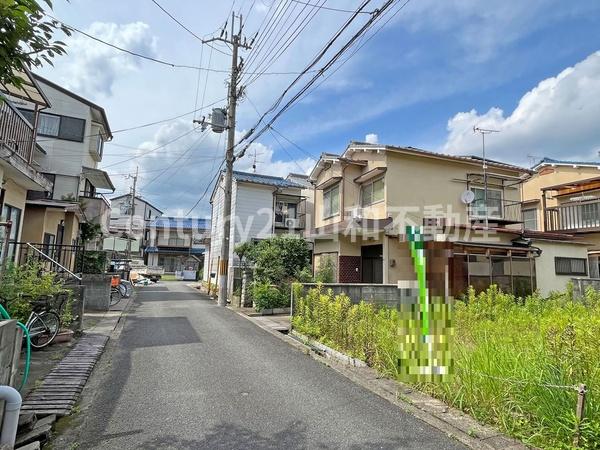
131	211
483	132
236	41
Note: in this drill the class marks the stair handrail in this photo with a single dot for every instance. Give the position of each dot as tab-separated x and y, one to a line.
78	278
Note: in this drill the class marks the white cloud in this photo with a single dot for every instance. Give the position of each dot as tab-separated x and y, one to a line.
559	117
372	138
92	67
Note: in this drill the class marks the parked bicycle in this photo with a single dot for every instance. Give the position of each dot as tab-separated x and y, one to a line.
43	323
119	289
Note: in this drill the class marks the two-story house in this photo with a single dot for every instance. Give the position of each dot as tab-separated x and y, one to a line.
124	221
71	135
18	174
564	197
261	206
178	243
366	197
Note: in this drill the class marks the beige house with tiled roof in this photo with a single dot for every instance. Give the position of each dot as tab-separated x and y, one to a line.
365	198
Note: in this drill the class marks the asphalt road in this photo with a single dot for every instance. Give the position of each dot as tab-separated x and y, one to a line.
186	374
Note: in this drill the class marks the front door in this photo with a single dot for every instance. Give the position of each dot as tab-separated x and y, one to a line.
372	264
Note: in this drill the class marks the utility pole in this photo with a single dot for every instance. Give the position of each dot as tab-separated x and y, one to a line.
483	132
235	40
131	212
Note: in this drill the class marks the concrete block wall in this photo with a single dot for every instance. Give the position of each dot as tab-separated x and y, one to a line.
378	294
97	291
581	284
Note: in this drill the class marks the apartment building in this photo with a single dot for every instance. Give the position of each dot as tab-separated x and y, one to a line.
71	133
367	196
261	206
564	197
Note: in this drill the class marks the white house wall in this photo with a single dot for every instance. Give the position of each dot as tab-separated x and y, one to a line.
546	278
66	157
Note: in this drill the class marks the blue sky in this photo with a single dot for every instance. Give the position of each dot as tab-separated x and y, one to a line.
530	69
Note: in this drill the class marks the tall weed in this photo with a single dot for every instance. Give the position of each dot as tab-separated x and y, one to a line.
516	360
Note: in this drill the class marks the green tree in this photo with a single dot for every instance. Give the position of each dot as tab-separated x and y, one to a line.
26	37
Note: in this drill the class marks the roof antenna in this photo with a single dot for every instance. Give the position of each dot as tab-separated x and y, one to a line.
255	160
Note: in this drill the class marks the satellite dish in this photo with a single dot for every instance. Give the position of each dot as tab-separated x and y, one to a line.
467	197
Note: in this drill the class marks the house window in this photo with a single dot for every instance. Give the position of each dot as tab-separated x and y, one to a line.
570	266
62	127
285	210
176	242
530	219
372	192
331	201
494	202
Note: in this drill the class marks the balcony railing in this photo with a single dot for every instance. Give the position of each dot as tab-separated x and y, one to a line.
582	216
16	133
96	208
505	211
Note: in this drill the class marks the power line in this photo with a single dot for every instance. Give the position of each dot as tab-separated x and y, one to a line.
357	49
217	173
186	28
152	150
320	72
332	9
150	58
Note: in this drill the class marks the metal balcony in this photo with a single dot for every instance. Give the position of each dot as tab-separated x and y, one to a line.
16	133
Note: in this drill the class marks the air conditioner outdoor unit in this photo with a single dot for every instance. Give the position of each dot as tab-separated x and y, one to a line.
291	223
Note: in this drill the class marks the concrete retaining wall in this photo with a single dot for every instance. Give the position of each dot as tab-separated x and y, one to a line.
78	293
581	284
379	294
97	291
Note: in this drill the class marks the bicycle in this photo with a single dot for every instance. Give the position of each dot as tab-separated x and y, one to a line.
43	324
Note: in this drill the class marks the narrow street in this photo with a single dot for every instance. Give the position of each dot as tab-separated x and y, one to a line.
186	374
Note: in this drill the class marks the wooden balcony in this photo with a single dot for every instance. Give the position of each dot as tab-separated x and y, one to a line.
16	133
578	217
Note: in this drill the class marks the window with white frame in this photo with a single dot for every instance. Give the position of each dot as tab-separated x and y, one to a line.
530	219
494	202
331	201
371	192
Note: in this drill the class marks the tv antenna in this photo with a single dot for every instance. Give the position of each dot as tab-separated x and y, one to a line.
254	160
483	132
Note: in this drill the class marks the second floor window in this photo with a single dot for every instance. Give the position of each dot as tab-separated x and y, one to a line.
331	201
176	242
494	202
53	125
530	219
371	192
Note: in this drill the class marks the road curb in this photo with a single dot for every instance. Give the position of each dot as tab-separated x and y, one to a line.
432	411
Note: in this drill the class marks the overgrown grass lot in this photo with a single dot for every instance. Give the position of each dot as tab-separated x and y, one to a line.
516	361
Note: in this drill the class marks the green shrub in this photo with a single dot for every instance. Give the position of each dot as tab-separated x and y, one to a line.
23	283
268	296
325	273
94	261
